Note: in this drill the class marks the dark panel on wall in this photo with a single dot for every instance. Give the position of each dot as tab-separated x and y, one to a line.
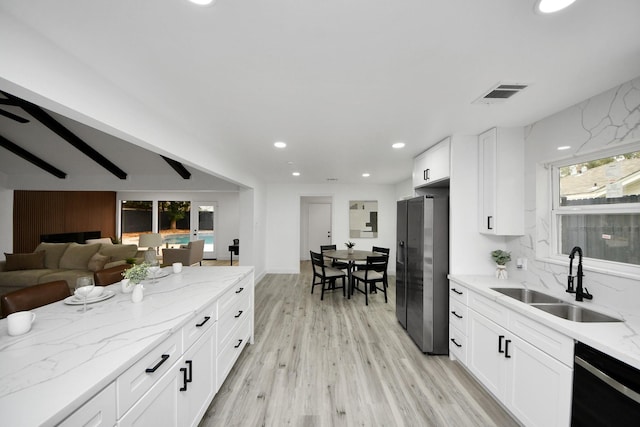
48	212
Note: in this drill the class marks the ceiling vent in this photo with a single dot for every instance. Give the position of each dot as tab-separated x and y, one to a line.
500	93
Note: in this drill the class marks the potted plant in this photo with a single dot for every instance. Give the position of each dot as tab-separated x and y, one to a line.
133	276
501	258
350	246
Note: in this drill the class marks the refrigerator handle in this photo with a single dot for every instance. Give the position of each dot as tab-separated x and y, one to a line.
401	243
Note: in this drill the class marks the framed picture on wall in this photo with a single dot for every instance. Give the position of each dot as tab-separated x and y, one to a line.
363	218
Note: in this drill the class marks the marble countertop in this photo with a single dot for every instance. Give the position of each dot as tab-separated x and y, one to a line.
69	356
618	339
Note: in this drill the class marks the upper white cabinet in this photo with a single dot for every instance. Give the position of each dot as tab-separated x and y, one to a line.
501	181
433	165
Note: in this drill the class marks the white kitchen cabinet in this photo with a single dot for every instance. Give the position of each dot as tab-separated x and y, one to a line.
534	386
458	323
501	181
198	380
432	166
100	411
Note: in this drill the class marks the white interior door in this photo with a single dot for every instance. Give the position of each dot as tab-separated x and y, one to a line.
319	225
203	223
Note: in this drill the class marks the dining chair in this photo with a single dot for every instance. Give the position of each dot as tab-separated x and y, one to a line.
380	250
334	263
370	274
326	276
110	275
33	297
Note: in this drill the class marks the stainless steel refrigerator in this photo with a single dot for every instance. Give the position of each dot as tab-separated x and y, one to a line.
422	265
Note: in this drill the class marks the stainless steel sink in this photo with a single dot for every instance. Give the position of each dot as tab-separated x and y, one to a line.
575	313
527	295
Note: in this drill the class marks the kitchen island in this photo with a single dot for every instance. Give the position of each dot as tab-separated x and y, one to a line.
129	363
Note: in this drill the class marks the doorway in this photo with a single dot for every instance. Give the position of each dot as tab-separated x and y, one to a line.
315	224
203	218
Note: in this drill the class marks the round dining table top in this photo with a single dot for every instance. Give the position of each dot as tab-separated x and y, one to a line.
344	254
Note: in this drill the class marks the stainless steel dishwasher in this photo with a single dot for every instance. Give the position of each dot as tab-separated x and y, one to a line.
606	391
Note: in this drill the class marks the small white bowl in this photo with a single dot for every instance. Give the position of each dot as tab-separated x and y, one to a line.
95	293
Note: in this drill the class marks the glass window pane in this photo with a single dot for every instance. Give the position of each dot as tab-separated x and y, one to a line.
137	218
610	237
174	222
205	226
602	181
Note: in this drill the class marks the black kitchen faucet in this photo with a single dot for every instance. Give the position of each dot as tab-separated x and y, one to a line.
579	291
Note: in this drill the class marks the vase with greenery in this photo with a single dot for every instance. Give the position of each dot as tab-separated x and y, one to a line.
501	258
350	246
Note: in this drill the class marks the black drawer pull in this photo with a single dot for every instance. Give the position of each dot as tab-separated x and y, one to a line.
163	359
500	338
239	342
184	379
489	227
239	290
456	314
238	315
190	376
456	291
206	319
453	340
506	349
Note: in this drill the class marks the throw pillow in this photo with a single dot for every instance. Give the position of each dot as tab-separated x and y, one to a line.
77	256
30	261
97	262
103	240
53	253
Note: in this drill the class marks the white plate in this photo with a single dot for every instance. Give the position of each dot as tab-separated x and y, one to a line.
163	272
74	300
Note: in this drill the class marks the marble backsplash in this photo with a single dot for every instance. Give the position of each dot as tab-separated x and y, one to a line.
603	121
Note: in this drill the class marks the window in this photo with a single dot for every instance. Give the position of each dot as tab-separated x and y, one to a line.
596	206
137	218
174	222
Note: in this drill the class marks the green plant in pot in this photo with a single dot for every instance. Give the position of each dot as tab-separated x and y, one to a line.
135	274
501	258
350	246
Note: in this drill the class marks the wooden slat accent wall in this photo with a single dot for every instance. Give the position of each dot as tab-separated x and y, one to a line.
47	212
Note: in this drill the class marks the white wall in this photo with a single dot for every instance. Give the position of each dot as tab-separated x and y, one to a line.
605	120
283	217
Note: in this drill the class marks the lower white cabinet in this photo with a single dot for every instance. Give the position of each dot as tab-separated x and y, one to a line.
99	411
530	371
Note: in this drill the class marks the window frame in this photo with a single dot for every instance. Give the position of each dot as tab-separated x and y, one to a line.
556	212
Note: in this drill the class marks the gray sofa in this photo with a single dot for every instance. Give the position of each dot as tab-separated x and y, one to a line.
60	261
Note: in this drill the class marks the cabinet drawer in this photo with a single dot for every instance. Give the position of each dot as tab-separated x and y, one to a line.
100	410
458	344
458	293
228	354
488	308
553	343
240	290
201	323
458	316
234	314
135	381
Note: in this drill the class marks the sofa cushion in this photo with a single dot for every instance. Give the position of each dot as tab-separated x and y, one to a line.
97	261
77	256
119	252
28	261
115	263
22	278
53	253
103	240
69	275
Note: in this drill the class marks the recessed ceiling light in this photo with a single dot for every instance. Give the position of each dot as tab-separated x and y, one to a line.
295	173
202	2
398	145
279	144
551	6
564	147
366	175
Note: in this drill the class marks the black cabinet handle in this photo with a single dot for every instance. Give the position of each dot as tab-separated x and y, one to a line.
425	174
500	338
190	364
453	340
239	290
163	359
184	379
239	342
489	227
506	349
206	319
238	315
456	291
456	314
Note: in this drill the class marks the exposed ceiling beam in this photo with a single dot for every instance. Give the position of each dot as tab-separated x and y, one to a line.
55	126
178	167
13	116
31	158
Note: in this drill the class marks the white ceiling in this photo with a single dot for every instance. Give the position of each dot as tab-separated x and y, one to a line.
340	81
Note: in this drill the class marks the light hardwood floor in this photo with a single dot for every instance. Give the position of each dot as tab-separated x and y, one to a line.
338	362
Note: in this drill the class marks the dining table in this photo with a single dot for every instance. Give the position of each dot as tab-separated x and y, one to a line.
351	257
